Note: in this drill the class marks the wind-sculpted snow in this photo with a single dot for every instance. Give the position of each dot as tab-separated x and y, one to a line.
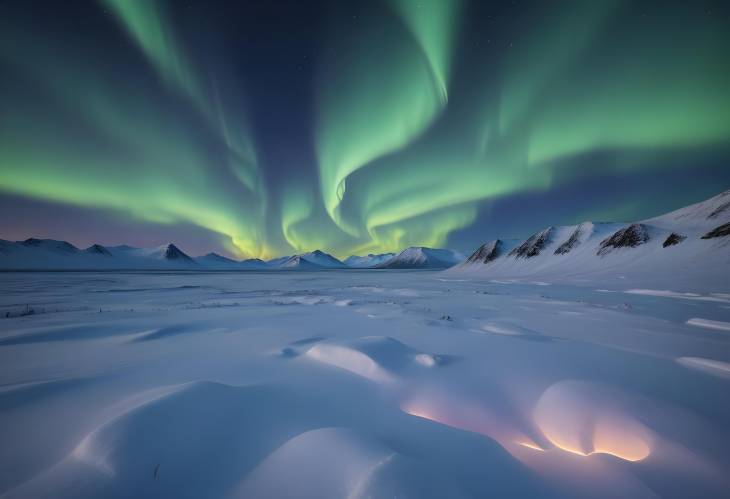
363	384
374	357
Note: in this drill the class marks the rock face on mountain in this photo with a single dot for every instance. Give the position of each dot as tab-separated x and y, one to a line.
172	252
721	231
98	249
487	252
580	233
417	257
685	242
673	239
629	237
299	262
534	244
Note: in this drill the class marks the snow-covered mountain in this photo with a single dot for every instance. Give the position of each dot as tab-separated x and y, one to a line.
49	254
417	257
692	240
312	261
275	262
214	260
367	261
253	264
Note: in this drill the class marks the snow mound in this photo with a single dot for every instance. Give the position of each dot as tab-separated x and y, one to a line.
584	418
377	358
323	463
178	441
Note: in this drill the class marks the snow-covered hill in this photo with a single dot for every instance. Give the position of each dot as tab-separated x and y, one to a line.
367	261
313	260
688	241
417	257
49	254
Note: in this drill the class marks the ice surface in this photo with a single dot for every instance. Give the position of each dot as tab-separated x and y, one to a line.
358	383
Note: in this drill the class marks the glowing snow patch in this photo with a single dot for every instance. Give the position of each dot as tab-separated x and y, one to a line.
350	360
426	360
530	445
582	419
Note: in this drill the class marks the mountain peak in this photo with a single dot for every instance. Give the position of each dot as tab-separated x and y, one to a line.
312	260
420	257
487	252
172	252
368	261
50	244
98	249
534	244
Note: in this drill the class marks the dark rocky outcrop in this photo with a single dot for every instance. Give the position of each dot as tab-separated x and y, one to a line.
486	253
673	239
721	231
572	242
172	252
97	249
628	237
533	245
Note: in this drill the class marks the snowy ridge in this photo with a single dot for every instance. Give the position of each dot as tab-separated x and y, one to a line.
369	260
312	261
487	252
417	257
49	254
691	241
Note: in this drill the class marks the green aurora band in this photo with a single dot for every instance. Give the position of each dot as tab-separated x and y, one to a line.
409	144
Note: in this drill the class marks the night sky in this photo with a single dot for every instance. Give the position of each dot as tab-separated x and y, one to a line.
263	128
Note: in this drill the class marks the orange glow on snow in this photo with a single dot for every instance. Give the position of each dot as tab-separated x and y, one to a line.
530	445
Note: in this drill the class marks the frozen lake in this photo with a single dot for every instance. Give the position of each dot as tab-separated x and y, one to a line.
359	384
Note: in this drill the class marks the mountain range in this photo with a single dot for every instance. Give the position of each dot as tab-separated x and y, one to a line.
688	241
674	242
50	254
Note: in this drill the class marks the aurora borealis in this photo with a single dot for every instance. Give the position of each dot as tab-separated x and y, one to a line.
267	128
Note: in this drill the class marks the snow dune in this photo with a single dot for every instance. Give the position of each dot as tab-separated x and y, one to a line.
377	358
